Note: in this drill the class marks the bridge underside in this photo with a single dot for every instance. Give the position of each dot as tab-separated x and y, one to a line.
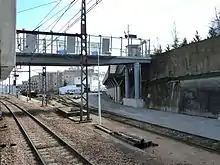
124	83
39	59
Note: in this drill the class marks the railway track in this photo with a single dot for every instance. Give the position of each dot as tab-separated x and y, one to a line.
49	148
208	144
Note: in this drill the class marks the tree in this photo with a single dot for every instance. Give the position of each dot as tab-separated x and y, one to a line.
214	29
197	38
167	48
158	50
175	37
184	42
212	33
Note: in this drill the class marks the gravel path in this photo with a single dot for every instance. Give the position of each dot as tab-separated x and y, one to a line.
169	151
95	146
106	150
17	151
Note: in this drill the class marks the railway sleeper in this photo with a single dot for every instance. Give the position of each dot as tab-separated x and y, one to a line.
130	139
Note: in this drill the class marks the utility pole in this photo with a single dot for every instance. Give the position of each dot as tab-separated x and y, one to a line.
128	33
9	91
2	88
15	81
29	82
99	95
84	64
44	80
43	84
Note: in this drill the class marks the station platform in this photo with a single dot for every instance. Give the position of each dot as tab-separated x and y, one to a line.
201	126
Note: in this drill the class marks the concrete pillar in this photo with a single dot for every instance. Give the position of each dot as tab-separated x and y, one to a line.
140	82
118	93
126	82
115	93
137	80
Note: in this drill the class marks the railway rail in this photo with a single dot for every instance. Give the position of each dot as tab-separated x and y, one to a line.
49	148
208	144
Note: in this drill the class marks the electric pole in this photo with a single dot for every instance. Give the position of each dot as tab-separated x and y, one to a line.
84	64
29	83
44	80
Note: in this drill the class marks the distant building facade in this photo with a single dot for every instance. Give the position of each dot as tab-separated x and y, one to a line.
56	80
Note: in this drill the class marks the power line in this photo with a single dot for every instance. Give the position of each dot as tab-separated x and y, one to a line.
39	24
59	18
73	17
53	16
88	10
35	7
69	6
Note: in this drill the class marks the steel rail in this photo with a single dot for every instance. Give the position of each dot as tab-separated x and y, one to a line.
24	132
46	128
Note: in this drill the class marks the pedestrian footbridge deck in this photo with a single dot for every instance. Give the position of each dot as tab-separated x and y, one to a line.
62	49
45	59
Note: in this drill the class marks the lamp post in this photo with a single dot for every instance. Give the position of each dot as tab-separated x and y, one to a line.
99	96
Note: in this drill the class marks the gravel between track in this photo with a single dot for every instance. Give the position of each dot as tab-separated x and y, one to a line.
20	153
97	148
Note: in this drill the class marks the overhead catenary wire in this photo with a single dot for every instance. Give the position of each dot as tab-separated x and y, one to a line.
70	5
60	17
66	7
35	7
88	10
53	16
73	18
39	24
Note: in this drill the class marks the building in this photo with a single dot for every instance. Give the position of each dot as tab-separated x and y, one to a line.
24	85
73	77
54	80
34	84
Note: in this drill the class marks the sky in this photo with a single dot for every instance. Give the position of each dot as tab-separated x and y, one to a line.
152	19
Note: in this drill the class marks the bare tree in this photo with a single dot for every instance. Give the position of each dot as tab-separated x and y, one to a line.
214	29
175	37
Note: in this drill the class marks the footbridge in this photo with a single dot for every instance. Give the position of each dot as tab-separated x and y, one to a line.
63	49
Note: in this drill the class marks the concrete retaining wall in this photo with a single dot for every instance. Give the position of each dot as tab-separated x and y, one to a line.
196	58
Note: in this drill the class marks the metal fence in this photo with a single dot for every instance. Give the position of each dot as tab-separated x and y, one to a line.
97	45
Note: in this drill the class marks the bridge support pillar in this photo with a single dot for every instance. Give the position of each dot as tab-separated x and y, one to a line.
135	102
126	82
137	80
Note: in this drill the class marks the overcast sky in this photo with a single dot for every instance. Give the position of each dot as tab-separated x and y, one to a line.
147	18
